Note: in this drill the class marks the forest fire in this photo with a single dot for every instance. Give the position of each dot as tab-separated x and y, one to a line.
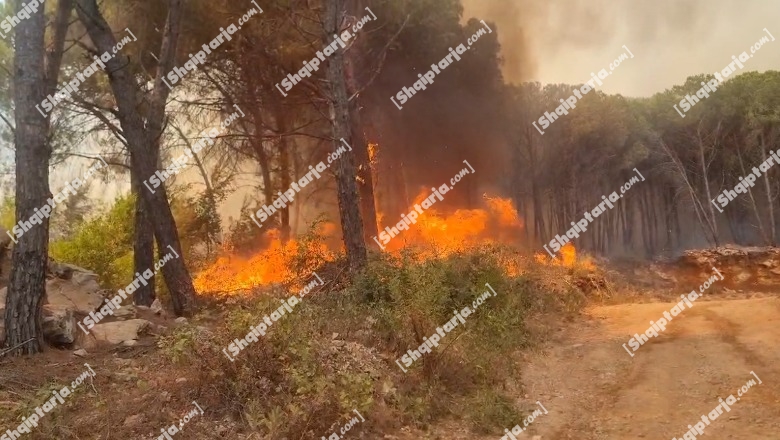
233	275
436	234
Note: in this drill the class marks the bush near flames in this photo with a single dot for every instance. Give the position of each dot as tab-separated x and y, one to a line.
336	351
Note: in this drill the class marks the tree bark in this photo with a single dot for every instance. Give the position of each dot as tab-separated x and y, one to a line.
143	139
360	144
143	243
35	76
346	172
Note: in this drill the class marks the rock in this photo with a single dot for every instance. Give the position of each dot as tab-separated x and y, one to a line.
81	298
181	320
59	325
80	353
124	377
142	308
181	380
117	332
157	307
130	343
125	312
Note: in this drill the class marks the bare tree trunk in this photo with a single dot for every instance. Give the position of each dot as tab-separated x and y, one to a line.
365	177
360	146
284	171
769	200
210	194
704	175
143	244
35	76
296	216
706	225
143	139
756	211
346	173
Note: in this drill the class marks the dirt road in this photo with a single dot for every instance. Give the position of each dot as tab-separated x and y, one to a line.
594	389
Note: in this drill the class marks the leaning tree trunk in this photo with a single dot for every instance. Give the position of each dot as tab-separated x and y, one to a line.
143	139
35	76
346	172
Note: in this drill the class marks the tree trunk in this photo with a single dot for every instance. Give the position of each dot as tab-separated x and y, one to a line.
365	177
346	173
35	76
770	202
360	145
756	211
143	139
284	171
143	244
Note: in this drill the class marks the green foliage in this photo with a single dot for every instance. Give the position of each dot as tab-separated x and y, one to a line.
298	379
8	212
103	244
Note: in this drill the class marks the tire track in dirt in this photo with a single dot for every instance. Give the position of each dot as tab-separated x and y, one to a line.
595	390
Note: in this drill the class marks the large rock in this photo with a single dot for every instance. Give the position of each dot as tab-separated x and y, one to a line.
59	325
116	332
81	292
125	312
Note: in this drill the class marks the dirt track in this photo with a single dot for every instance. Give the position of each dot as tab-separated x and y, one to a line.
594	389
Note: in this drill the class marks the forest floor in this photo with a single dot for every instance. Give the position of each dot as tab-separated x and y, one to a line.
589	384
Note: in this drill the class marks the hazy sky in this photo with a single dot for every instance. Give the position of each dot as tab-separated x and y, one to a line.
555	41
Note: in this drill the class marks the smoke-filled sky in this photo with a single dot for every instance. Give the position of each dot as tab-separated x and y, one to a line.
562	41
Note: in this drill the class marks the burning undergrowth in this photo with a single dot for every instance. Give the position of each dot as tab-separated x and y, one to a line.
437	233
334	352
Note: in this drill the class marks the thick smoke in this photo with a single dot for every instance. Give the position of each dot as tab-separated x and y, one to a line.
534	33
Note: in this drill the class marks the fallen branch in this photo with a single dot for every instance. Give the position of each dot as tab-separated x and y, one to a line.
15	347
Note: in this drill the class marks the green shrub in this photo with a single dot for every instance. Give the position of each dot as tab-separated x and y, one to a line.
297	372
103	245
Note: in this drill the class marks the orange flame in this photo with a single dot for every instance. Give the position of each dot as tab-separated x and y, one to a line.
435	234
234	275
461	229
568	258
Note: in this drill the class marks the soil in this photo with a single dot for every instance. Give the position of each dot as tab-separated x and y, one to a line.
594	389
